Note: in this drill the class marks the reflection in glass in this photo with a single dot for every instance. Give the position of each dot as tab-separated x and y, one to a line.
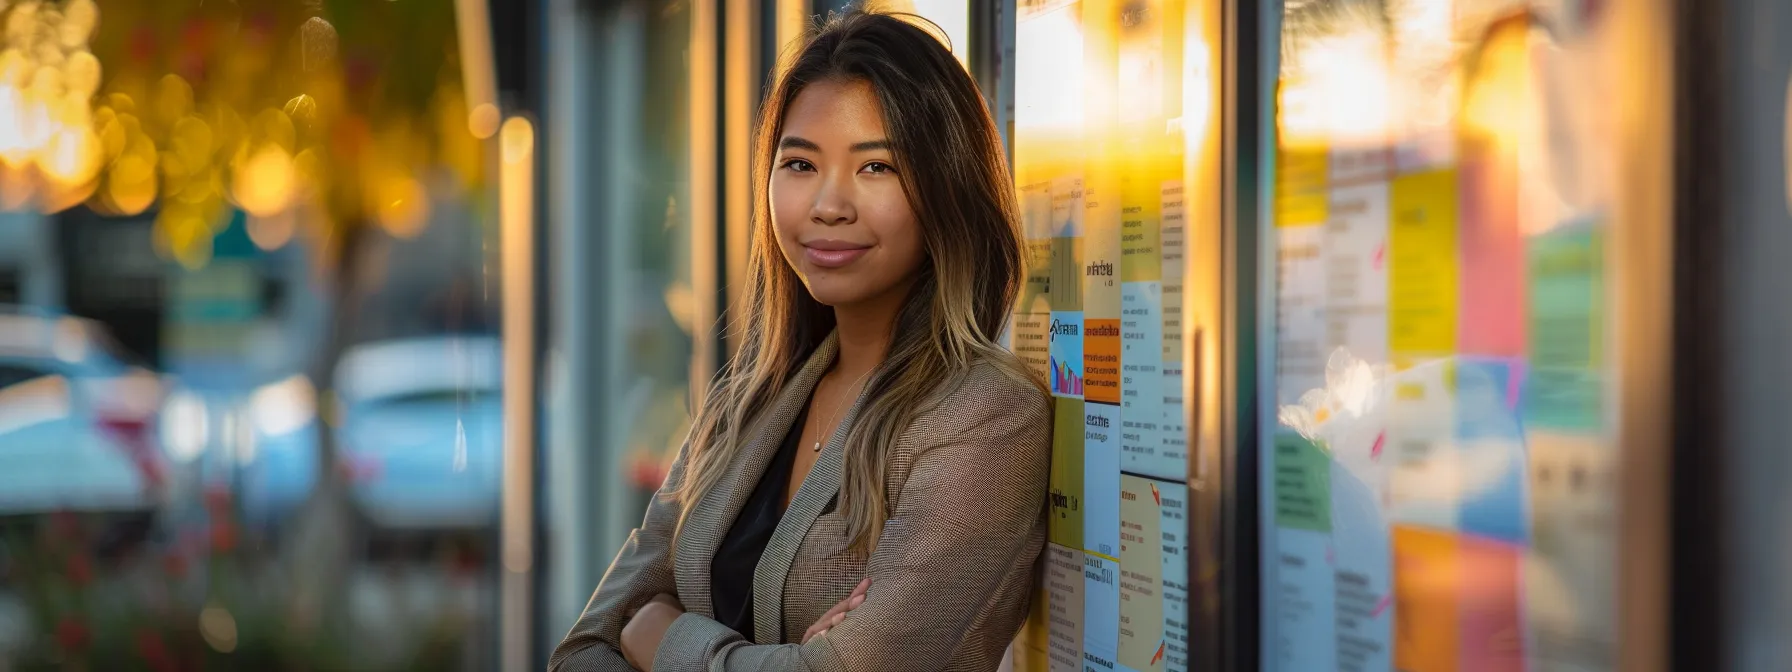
1439	477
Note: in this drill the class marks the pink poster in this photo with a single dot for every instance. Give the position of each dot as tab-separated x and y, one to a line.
1492	248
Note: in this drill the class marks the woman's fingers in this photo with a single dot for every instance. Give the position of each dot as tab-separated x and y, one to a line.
837	614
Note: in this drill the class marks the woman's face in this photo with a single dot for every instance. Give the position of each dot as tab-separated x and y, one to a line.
837	203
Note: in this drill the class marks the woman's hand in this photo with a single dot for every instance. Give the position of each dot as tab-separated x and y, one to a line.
641	637
837	615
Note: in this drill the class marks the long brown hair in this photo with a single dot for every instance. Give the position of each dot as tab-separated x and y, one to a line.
949	154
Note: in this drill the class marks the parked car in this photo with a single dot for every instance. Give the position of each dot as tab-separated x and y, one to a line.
77	428
420	436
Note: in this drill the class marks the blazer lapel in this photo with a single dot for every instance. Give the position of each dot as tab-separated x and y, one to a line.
822	483
715	512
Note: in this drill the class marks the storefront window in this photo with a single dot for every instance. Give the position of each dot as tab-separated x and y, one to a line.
1441	478
1101	143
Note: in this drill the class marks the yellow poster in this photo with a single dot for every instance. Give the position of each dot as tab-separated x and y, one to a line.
1422	264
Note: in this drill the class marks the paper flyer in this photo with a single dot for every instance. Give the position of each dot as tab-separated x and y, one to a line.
1142	380
1030	329
1304	596
1301	179
1064	586
1065	523
1570	589
1303	602
1066	361
1355	253
1566	271
1301	350
1490	441
1427	630
1067	221
1303	474
1489	605
1174	526
1492	258
1142	325
1361	557
1425	473
1101	613
1422	274
1032	645
1101	479
1142	600
1173	438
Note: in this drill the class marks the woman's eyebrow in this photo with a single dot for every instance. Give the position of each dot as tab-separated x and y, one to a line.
793	142
871	145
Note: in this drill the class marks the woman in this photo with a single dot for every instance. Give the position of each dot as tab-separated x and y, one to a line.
865	487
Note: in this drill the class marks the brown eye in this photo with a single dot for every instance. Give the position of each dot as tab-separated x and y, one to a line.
799	165
880	168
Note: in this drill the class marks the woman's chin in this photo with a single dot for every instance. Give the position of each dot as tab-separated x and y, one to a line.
834	297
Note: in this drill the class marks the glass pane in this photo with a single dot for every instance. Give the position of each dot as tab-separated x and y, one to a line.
658	300
1441	479
1105	99
249	402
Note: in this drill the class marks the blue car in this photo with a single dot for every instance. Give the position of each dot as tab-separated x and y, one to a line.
77	420
420	438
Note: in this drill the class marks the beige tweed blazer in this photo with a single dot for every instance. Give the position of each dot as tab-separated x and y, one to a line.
950	579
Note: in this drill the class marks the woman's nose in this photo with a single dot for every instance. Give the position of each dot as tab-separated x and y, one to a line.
833	203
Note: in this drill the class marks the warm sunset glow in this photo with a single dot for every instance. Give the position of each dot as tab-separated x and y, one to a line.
264	183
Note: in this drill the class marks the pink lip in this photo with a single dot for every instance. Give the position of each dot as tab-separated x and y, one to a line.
833	253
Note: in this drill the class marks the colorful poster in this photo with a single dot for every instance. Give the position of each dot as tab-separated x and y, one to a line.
1066	335
1142	600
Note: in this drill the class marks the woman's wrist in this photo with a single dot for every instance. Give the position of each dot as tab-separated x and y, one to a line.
642	636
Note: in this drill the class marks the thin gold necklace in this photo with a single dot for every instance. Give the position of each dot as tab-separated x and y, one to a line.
836	414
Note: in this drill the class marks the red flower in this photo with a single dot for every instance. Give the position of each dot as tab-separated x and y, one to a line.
223	536
79	570
149	645
72	635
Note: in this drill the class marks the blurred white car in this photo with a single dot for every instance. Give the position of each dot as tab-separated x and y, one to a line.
77	421
421	435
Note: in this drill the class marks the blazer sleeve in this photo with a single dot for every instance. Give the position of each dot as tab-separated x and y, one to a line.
642	569
971	514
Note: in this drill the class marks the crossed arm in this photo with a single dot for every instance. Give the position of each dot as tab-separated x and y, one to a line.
970	514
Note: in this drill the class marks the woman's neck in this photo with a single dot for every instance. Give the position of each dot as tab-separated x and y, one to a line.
864	330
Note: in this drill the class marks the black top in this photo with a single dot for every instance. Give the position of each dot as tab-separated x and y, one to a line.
731	571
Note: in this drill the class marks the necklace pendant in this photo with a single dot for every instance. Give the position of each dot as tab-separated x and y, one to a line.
816	447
